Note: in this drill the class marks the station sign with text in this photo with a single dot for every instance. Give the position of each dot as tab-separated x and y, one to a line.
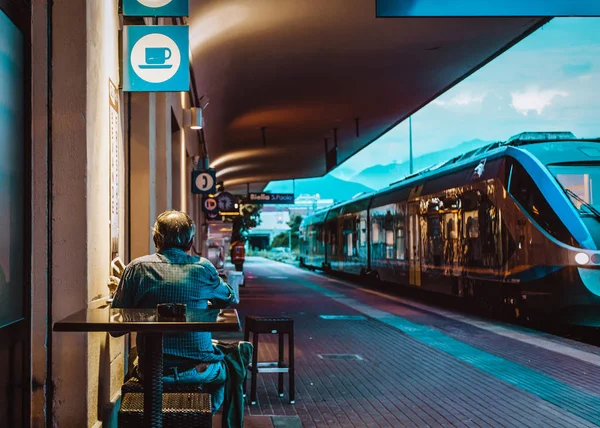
271	198
156	58
153	8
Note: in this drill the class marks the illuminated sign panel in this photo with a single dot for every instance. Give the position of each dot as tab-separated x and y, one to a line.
153	8
461	8
156	58
204	182
271	198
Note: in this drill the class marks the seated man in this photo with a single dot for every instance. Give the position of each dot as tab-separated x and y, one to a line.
173	276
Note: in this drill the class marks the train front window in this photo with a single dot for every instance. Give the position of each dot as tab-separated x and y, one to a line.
526	192
582	184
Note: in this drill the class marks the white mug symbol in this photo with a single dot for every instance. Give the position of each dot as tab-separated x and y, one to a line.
155	58
154	3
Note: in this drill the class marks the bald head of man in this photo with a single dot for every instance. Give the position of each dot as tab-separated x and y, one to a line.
173	229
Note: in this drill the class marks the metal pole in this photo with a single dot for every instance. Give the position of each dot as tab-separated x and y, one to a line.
410	143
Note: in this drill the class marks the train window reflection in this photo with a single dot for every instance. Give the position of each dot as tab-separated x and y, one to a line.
451	226
349	245
389	244
583	181
400	244
375	233
471	224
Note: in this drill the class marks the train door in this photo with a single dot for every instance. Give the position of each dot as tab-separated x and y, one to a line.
414	238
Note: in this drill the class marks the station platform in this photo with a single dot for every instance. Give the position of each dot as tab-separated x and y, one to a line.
365	359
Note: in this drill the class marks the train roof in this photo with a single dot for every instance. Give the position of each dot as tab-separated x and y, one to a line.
316	217
545	153
522	139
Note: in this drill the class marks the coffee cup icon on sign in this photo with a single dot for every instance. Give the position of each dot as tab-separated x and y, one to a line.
156	57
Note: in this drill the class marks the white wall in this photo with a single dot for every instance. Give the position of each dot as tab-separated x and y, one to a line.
105	354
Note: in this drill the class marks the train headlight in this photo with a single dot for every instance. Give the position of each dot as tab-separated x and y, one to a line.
582	258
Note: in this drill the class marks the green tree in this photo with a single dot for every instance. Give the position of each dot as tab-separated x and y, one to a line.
241	224
281	240
294	224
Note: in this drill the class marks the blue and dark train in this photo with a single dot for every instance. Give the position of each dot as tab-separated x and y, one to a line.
513	223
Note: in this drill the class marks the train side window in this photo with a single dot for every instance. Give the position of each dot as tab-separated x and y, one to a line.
349	245
332	238
400	244
451	226
375	238
471	229
363	233
525	191
433	227
389	244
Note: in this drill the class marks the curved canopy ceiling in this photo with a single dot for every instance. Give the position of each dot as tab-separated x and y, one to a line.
279	76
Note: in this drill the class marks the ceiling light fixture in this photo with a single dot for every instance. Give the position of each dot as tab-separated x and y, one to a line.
193	118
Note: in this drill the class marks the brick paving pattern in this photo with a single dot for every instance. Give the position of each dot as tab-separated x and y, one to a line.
402	380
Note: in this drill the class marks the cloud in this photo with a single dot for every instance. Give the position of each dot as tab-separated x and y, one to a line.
462	99
576	70
534	99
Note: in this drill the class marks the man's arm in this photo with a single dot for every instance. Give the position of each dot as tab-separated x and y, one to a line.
125	293
222	294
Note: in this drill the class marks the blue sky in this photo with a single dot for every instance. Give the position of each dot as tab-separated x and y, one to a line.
548	82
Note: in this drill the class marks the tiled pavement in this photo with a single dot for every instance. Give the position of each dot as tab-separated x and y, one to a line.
417	368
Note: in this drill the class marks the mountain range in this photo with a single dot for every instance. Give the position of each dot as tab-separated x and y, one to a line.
380	176
375	177
328	187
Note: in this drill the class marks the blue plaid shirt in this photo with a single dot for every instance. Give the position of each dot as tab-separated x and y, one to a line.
173	276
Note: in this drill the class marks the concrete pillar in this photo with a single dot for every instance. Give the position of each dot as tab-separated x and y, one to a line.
140	178
104	353
152	164
39	217
176	168
69	209
162	120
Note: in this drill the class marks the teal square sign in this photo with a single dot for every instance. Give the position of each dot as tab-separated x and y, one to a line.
156	8
156	58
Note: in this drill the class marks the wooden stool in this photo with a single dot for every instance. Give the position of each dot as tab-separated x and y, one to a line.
271	325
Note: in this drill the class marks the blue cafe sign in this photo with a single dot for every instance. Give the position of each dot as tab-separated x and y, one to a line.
153	8
156	58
